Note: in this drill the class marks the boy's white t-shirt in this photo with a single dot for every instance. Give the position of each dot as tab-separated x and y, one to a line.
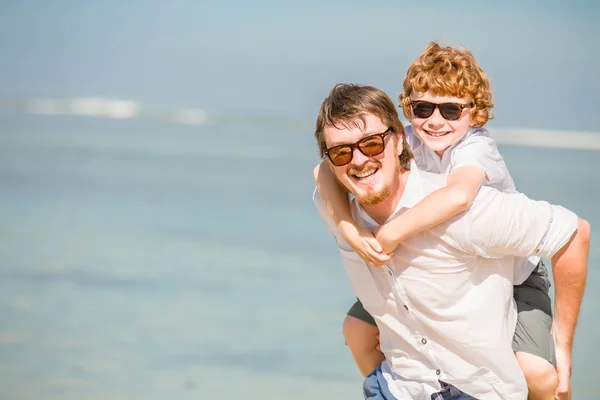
477	149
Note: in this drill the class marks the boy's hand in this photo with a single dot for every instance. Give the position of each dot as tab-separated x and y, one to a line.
364	244
388	240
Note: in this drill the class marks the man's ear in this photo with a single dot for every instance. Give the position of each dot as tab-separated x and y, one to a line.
330	166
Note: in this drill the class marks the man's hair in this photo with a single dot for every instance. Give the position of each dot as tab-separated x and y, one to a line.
347	104
449	71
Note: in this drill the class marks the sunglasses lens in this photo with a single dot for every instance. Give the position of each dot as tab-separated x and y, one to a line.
450	111
371	146
340	155
423	109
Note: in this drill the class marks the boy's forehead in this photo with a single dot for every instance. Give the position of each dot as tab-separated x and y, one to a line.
437	98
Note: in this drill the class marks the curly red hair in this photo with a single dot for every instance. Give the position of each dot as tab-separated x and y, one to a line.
449	71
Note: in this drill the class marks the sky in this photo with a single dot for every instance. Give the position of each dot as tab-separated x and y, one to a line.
281	58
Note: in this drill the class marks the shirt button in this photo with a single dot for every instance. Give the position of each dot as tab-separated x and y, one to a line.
406	307
390	272
424	341
438	372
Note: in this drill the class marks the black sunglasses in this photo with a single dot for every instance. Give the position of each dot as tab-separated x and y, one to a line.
450	111
370	146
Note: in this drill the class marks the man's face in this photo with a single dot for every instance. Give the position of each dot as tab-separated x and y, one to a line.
370	179
436	132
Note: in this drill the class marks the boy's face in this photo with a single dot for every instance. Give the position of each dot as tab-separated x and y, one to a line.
436	132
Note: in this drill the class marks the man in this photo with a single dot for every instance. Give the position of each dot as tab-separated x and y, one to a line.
443	304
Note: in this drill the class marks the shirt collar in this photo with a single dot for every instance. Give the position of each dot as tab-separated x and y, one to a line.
470	132
413	193
413	141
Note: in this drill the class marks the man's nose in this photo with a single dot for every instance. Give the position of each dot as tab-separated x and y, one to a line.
358	158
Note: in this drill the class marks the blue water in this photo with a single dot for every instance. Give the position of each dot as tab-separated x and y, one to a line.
150	261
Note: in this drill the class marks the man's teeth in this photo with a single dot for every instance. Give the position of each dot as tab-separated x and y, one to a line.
364	174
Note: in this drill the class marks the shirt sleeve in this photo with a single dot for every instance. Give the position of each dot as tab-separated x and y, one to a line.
482	152
329	222
512	224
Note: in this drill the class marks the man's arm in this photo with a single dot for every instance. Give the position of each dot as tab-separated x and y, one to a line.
569	268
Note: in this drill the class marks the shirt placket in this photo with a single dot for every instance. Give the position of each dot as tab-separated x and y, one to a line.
403	302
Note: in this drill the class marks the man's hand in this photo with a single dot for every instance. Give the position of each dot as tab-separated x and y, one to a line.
563	369
364	244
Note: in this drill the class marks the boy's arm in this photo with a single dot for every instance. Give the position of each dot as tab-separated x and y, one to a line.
335	201
439	206
332	194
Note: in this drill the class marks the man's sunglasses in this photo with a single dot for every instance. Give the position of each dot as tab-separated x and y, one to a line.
450	111
370	146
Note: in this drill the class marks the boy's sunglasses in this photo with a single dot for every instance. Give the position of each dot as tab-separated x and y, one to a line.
450	111
370	146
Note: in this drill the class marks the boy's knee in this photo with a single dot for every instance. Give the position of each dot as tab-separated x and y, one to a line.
361	338
357	331
350	326
540	375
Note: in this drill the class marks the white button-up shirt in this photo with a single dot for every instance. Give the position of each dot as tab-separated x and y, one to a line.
444	303
476	149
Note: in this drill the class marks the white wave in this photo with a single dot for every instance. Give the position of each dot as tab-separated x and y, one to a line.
101	107
576	140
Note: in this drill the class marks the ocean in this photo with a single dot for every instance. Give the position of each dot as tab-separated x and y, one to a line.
145	260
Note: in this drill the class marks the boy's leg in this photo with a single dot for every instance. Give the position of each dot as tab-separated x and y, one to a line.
533	343
361	333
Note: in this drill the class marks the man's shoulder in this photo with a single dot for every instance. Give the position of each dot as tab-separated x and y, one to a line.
431	181
490	200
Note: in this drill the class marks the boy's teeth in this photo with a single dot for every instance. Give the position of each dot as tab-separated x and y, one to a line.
437	133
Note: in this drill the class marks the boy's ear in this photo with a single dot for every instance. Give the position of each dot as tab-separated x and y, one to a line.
399	144
471	115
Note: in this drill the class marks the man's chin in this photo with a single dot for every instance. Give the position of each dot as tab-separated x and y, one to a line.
369	200
372	198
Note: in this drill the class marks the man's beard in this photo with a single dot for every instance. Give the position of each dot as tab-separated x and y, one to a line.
373	197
